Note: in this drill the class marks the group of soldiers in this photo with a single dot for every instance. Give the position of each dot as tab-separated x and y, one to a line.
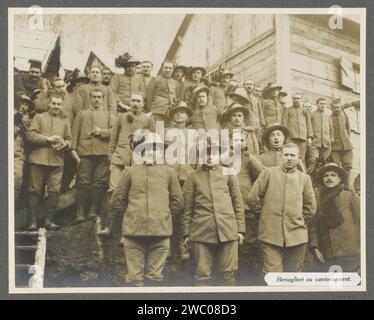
292	192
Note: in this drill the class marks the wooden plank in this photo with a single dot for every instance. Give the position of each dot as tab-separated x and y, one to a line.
243	50
28	267
315	49
324	36
316	68
26	233
26	248
249	27
321	86
256	58
261	77
252	51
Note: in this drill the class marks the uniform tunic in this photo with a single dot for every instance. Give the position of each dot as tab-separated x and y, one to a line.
297	120
83	142
161	94
123	86
109	101
213	207
43	126
273	112
119	145
288	202
341	132
148	195
323	130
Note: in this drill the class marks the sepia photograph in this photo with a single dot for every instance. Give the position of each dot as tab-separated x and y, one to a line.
186	150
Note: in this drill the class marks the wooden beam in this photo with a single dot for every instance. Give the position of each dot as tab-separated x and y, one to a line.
242	49
283	53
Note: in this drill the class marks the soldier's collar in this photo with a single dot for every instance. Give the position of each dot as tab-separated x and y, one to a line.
288	170
210	166
179	125
149	164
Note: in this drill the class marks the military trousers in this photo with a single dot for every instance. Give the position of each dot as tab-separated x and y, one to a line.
115	175
145	259
92	181
283	259
315	154
224	255
344	158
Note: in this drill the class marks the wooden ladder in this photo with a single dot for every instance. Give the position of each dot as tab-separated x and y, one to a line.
30	252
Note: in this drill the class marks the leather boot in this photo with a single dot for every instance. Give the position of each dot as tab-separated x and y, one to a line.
97	197
33	209
81	205
50	225
50	208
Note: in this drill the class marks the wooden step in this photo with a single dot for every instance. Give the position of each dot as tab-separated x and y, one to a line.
27	248
24	267
27	233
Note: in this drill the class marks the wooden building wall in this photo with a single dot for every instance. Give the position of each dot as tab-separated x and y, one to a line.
315	63
299	52
246	43
315	60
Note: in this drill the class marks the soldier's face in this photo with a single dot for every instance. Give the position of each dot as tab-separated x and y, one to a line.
202	99
146	68
276	139
180	116
290	157
308	107
35	73
60	86
297	100
336	108
196	75
178	74
274	93
257	91
55	105
167	70
130	69
152	154
331	179
96	99
107	76
321	105
23	108
95	74
237	119
226	80
137	104
248	85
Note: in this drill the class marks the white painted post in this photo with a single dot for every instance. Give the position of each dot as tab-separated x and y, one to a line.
37	280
